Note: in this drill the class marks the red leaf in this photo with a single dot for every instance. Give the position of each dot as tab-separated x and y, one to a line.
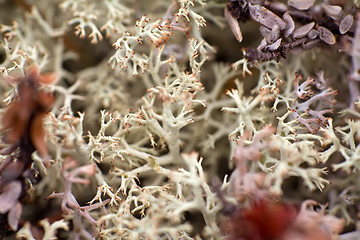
37	135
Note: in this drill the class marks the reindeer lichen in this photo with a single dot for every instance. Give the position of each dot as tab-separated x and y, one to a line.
181	119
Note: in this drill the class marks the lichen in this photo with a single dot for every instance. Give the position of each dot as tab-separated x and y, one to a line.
178	120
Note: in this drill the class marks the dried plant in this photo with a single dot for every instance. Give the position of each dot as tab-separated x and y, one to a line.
182	119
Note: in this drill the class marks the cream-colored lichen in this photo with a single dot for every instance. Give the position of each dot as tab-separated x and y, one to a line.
155	101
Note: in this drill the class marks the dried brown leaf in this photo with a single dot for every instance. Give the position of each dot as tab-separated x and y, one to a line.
47	78
14	119
303	30
289	24
270	35
14	216
326	35
313	34
274	46
9	196
346	24
332	10
265	32
262	45
37	135
264	16
301	4
234	25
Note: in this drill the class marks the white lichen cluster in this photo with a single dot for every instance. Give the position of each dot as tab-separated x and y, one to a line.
149	113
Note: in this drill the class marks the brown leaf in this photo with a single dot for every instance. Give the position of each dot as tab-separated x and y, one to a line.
289	24
14	216
303	30
18	113
274	46
301	4
313	34
234	25
346	24
24	117
264	16
45	101
37	135
47	78
326	35
15	121
333	11
271	36
262	45
10	196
